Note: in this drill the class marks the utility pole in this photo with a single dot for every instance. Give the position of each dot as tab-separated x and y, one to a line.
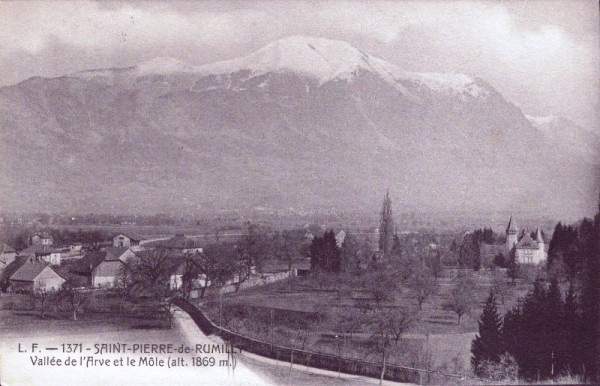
220	308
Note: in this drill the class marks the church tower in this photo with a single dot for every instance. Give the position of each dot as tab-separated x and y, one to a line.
512	231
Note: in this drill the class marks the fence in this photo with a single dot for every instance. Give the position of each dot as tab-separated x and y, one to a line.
315	359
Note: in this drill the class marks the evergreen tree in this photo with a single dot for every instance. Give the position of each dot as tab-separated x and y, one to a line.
590	297
570	358
487	345
325	254
553	330
512	265
386	227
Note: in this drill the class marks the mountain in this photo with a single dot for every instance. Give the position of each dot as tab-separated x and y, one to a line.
302	122
572	139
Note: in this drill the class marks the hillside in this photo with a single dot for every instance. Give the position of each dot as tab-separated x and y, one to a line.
302	122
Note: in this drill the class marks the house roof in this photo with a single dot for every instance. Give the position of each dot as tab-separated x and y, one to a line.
512	225
29	271
43	235
132	236
273	266
89	262
5	248
114	253
8	271
303	264
527	242
38	249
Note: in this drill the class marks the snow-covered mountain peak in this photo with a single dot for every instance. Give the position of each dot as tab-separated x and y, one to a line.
322	59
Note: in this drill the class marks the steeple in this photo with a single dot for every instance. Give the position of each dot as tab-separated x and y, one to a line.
512	237
512	225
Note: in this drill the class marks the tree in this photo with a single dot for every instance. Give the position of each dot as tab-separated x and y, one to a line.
75	298
386	227
423	284
381	287
325	254
44	297
461	297
500	287
290	246
350	254
211	265
589	247
500	260
387	327
533	332
150	277
513	265
487	345
255	243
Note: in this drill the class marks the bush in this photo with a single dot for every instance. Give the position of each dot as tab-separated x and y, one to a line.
504	371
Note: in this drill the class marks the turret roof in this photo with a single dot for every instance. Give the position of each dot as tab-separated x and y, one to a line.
512	225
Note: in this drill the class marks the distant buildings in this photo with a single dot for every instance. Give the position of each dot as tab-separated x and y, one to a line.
42	252
7	255
41	238
179	244
127	240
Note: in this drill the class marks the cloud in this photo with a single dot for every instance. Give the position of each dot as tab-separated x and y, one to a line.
32	26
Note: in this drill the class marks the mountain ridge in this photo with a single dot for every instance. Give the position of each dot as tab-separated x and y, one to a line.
171	137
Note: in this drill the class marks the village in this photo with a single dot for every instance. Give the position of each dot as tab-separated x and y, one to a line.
300	289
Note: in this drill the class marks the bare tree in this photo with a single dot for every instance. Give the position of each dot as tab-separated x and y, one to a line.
461	297
75	298
381	286
42	296
150	277
211	265
387	327
423	284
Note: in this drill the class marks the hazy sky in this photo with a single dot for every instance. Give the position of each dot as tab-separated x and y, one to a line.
542	55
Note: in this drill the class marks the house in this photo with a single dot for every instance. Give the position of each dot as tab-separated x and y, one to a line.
301	268
41	238
531	250
127	240
68	246
43	252
34	277
7	255
103	268
179	244
528	248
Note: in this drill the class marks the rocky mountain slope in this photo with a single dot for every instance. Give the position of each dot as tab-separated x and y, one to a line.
302	122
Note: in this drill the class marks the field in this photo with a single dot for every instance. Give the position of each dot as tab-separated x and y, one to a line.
436	330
